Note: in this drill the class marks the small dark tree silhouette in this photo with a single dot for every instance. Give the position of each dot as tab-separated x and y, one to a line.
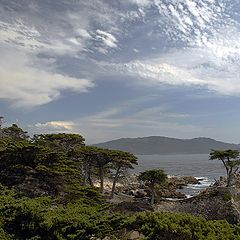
230	160
152	178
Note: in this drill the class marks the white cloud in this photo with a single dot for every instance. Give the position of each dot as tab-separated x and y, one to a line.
19	34
185	19
210	59
28	38
213	64
143	3
159	73
27	86
55	126
28	81
83	33
225	80
107	39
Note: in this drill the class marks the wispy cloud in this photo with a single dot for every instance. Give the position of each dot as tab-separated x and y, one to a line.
108	39
28	86
27	37
49	48
116	122
213	65
54	126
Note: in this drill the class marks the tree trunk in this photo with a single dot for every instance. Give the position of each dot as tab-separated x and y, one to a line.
152	195
101	176
229	177
227	169
115	181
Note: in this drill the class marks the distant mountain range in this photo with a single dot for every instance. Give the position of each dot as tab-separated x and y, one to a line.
166	145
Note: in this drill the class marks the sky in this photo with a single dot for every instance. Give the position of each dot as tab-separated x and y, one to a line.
108	69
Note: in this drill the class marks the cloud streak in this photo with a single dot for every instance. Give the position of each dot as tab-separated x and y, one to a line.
51	48
55	126
27	86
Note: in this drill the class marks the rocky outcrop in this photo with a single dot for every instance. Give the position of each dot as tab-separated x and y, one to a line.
179	182
169	192
215	203
175	183
139	193
131	186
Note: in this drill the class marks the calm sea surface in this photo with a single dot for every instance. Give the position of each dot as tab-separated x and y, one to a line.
197	165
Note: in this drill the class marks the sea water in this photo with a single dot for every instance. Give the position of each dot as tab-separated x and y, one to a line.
196	165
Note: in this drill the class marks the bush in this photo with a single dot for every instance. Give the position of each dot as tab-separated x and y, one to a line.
227	196
181	226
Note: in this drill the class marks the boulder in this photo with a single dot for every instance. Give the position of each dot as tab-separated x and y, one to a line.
140	193
134	235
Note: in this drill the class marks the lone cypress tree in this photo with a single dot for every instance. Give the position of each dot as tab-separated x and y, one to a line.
152	178
230	160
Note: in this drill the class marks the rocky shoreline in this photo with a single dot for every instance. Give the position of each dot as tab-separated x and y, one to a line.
216	202
132	187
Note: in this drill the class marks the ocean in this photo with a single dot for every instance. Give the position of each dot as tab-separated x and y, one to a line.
196	165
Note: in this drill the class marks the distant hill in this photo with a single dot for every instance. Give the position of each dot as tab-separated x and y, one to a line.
166	145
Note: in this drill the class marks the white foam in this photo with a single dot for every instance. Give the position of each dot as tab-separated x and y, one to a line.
193	189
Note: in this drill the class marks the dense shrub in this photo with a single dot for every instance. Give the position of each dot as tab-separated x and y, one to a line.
48	218
181	226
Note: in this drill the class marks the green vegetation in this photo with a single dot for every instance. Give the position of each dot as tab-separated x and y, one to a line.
182	227
152	178
47	193
120	162
230	160
55	164
50	218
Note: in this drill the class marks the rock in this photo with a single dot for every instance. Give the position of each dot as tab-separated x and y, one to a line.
222	181
130	192
135	235
140	193
106	238
170	193
179	182
131	186
191	180
215	203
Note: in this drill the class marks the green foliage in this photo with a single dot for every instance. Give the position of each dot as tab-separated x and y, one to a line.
4	235
230	160
122	159
15	132
224	154
153	176
48	218
47	201
36	169
227	196
63	141
181	226
52	218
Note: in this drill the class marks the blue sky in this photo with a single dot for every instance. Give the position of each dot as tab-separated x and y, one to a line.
122	68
